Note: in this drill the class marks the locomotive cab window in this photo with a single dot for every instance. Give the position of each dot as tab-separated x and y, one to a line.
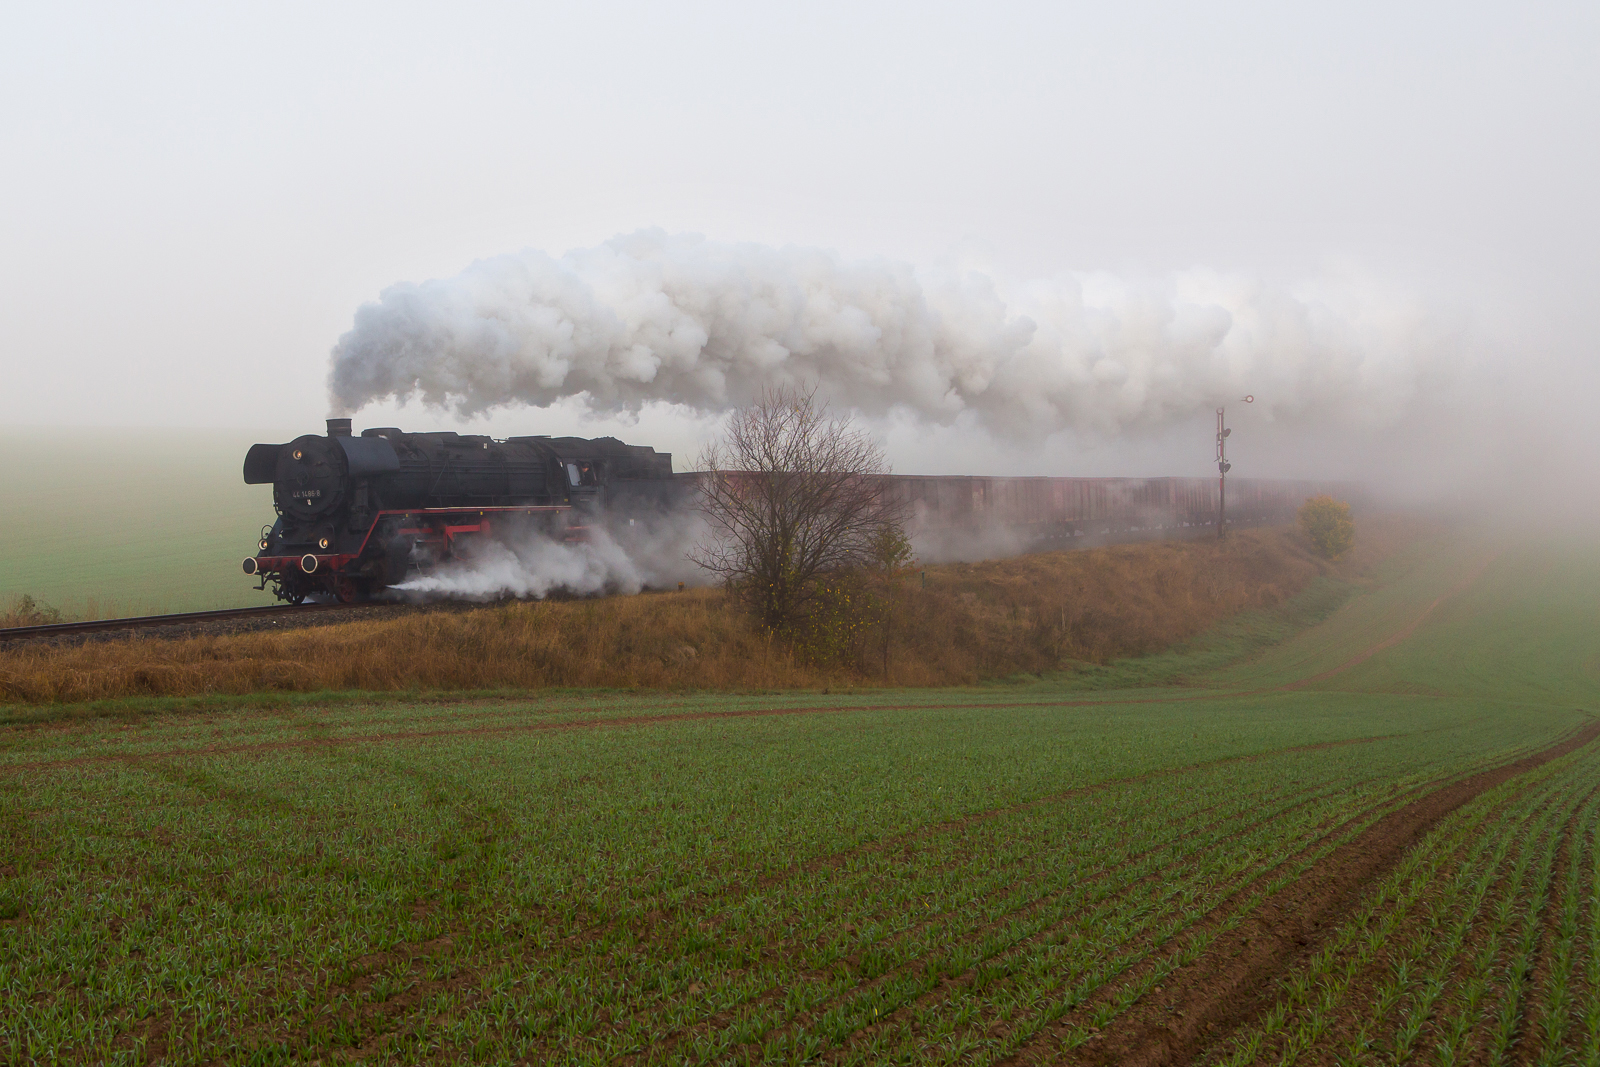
580	473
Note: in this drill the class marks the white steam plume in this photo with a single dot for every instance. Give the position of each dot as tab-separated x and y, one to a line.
675	318
638	557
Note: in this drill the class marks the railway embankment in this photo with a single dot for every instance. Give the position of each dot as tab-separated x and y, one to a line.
942	625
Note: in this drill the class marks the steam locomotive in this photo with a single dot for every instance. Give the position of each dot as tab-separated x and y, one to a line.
356	514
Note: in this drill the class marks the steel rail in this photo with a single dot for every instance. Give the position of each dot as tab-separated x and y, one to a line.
138	622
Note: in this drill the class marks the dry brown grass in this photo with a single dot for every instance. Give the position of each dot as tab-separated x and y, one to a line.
971	621
24	610
1033	613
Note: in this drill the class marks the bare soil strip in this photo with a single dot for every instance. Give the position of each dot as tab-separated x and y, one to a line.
418	958
570	724
931	829
1237	977
1367	1017
1042	901
410	735
1128	957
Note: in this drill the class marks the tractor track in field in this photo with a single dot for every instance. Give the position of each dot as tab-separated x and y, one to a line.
638	720
1364	1017
1158	1000
308	743
1401	634
416	958
1134	965
1134	960
1042	900
461	977
953	985
465	978
899	840
409	735
1236	978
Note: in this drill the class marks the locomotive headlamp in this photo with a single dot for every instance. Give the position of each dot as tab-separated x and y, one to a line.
299	454
323	544
263	544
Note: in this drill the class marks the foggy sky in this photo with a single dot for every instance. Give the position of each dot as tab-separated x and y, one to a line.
196	199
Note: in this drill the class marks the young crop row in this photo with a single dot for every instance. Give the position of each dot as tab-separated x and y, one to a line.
972	984
634	902
861	895
967	912
1482	947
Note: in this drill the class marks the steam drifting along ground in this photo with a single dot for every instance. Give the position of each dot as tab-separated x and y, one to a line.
619	558
658	318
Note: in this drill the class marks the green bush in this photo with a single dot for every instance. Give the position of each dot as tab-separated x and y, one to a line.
1326	522
26	611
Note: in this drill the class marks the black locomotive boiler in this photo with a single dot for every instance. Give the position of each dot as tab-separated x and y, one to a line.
356	514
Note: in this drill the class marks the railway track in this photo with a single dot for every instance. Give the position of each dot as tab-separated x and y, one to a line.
182	618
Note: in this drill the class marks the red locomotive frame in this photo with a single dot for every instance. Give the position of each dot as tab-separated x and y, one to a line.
434	531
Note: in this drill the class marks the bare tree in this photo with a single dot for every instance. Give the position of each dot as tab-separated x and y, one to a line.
793	494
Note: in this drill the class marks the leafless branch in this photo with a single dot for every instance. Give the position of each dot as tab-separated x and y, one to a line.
792	494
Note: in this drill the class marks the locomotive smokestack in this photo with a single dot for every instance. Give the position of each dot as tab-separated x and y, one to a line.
338	427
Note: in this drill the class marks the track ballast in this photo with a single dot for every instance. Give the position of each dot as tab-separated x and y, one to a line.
182	618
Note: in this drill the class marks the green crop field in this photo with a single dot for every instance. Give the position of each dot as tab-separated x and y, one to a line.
1044	871
1442	963
129	522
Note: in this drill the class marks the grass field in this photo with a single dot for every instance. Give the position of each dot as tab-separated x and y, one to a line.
129	522
1321	850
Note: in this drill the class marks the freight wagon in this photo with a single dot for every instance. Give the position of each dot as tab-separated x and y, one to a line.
1043	512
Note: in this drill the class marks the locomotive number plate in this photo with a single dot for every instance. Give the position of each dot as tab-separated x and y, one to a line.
307	492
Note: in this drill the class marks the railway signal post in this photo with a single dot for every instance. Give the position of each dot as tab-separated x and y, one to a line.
1223	467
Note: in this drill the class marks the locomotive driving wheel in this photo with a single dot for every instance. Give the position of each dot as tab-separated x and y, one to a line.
290	591
349	590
